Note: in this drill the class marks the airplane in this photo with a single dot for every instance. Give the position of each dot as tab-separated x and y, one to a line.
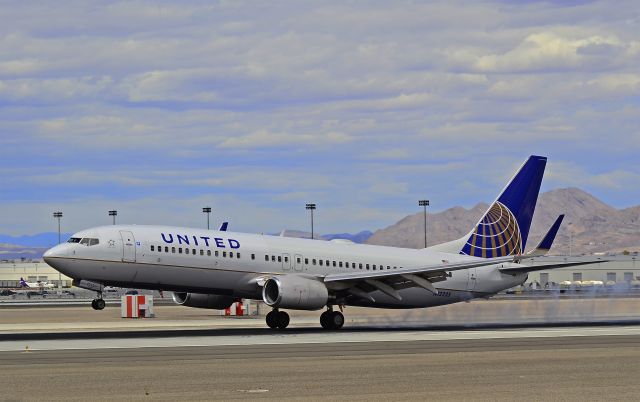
37	285
212	269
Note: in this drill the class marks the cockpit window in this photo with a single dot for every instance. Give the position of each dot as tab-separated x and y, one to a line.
93	242
88	241
74	240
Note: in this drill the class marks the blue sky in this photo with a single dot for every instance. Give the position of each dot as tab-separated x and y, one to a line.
255	108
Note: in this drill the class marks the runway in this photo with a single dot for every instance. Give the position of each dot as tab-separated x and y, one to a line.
484	350
561	364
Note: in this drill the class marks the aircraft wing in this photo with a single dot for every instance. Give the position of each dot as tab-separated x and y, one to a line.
532	268
388	281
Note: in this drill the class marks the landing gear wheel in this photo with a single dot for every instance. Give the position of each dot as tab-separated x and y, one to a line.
332	320
98	304
282	320
337	319
324	320
271	319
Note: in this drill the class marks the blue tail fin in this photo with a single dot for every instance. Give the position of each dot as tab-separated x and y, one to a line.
504	228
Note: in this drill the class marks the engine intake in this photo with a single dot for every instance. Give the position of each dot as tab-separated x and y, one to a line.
199	300
292	291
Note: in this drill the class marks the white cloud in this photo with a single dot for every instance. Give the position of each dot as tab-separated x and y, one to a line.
549	51
265	138
360	106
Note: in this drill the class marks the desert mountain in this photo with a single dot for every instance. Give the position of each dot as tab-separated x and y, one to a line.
590	225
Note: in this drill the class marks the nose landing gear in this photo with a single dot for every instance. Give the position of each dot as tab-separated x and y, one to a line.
98	303
331	319
277	319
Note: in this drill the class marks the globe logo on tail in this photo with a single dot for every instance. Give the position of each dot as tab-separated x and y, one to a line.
497	234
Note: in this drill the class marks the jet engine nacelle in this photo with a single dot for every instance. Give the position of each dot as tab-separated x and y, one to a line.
200	300
296	292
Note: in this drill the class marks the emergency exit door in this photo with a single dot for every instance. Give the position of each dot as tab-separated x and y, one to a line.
128	246
473	279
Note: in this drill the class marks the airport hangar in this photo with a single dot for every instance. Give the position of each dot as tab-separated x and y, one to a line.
621	269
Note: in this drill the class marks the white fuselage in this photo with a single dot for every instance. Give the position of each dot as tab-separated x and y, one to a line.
233	264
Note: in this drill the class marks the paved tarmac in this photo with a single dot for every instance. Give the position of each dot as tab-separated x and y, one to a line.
483	350
564	367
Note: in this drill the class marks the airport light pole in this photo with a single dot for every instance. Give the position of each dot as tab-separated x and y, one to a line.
311	208
570	236
207	210
58	216
113	214
424	204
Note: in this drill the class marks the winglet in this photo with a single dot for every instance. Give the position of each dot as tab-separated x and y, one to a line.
547	241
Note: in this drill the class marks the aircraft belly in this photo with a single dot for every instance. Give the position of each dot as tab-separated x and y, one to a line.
414	298
162	277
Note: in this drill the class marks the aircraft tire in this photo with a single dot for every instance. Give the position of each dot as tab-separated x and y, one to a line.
324	320
93	304
272	319
282	320
336	320
100	304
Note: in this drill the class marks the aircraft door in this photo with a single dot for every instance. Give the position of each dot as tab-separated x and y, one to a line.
128	246
473	279
297	263
286	262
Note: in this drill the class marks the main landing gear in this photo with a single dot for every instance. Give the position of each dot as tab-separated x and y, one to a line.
98	303
277	319
331	319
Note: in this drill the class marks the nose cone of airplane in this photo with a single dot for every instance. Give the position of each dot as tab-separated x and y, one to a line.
53	252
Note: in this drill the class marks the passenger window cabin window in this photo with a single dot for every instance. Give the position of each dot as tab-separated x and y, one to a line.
273	258
237	255
286	259
360	265
320	262
230	254
374	266
173	250
388	267
328	265
367	266
340	264
253	256
279	259
193	251
298	259
224	254
217	254
166	249
313	261
152	248
306	261
266	258
209	253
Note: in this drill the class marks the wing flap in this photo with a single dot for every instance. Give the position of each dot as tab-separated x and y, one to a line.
532	268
